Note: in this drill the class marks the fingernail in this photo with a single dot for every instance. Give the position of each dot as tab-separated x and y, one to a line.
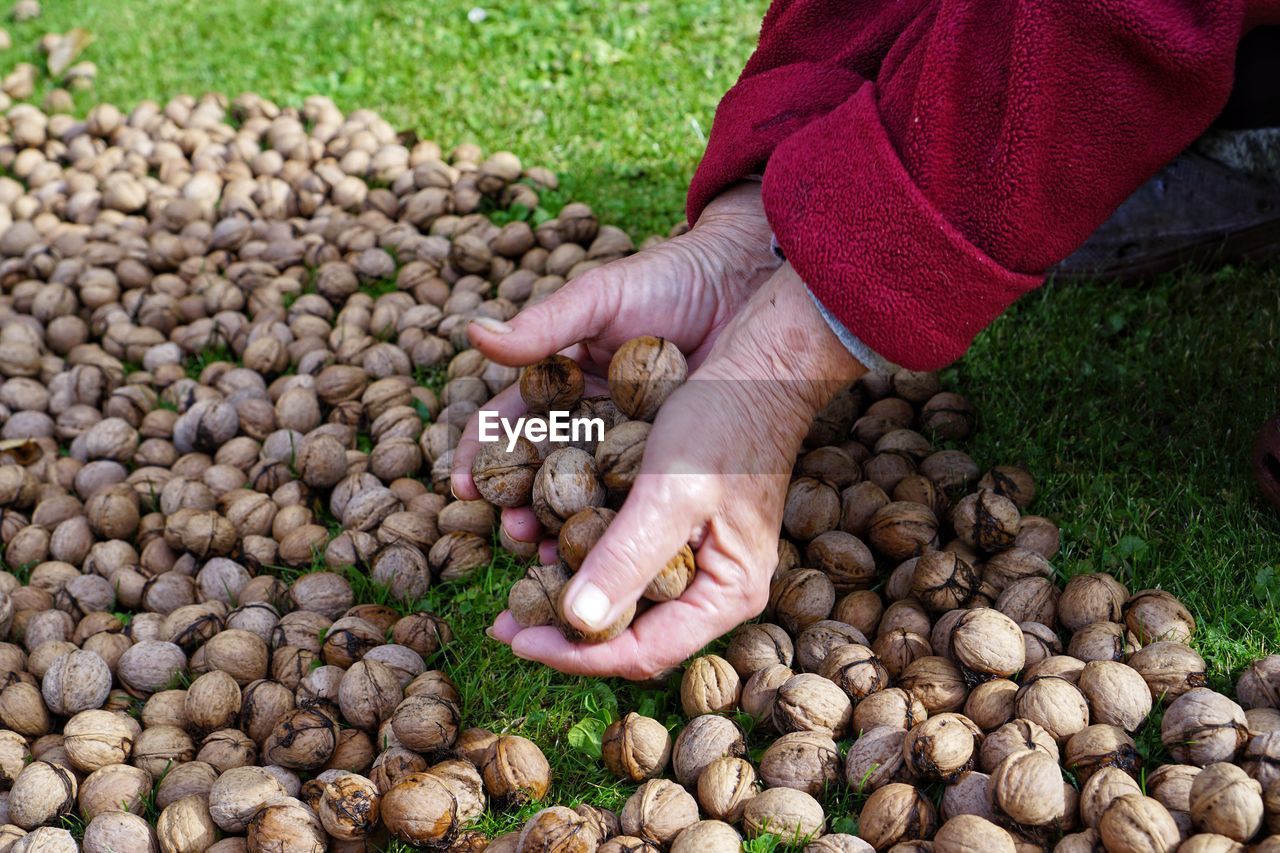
591	606
491	325
488	632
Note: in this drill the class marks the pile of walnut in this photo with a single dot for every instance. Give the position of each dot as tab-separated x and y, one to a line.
217	325
989	710
218	322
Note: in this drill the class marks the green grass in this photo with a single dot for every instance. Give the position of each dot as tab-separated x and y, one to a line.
1134	408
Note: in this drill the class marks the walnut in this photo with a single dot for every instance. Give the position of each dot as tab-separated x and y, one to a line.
816	641
1226	801
237	794
554	384
369	694
876	759
754	646
303	739
1202	727
1258	686
898	648
1091	598
845	559
943	581
515	770
41	793
801	597
967	794
567	483
1097	746
1153	614
1055	704
988	643
897	812
77	681
941	747
985	520
674	578
862	609
532	600
1026	786
580	533
894	707
809	702
420	809
556	830
1014	736
707	836
937	682
1133	823
505	478
784	812
636	748
812	508
348	807
760	693
1101	790
725	786
1116	694
990	705
643	373
284	820
704	739
900	530
117	830
658	811
619	454
856	670
972	834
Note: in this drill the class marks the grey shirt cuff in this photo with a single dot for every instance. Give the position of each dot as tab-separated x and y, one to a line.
868	357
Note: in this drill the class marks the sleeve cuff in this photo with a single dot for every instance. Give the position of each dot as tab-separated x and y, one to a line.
871	247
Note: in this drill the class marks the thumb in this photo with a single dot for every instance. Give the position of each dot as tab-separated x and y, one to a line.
657	518
578	311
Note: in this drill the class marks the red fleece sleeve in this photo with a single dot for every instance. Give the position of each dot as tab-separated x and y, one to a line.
994	139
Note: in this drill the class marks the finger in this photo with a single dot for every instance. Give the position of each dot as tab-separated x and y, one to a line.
521	524
548	551
505	627
657	518
579	310
659	640
507	404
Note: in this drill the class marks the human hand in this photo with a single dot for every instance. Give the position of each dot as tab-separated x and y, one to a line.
686	290
716	469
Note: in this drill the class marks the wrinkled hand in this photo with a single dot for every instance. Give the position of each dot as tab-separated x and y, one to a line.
686	290
716	468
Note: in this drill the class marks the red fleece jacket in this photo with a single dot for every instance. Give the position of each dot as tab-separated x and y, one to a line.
925	161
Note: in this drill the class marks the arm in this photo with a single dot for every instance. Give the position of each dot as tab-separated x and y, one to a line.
992	143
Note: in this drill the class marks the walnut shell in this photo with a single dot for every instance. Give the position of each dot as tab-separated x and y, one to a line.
1091	598
800	597
41	793
988	643
986	520
643	373
1026	786
876	759
1133	823
809	702
515	770
937	682
707	836
77	681
972	834
784	812
941	747
658	811
1116	694
420	809
754	646
349	807
1103	788
990	705
1015	736
532	600
1055	704
636	748
675	577
817	640
1097	746
1226	801
505	478
704	739
185	825
568	482
1259	684
725	786
897	812
237	794
554	384
556	830
1171	669
943	581
894	707
902	529
1153	614
1202	727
